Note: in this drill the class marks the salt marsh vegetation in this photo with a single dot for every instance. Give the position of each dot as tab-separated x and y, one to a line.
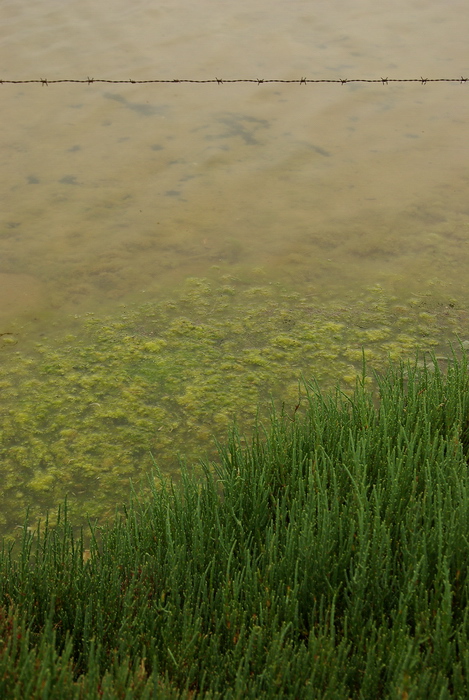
327	557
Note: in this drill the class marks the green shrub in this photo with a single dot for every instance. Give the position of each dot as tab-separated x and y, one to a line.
329	558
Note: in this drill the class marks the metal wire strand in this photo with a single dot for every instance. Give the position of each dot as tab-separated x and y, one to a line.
222	81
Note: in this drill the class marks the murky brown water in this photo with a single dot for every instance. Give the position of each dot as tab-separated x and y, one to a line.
114	194
112	190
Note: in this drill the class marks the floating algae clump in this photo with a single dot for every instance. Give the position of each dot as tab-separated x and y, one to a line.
85	414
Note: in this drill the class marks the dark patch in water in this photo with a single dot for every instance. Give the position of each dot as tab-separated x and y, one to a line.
69	180
242	125
144	109
321	151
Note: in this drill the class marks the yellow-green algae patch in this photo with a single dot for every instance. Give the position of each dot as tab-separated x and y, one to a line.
83	415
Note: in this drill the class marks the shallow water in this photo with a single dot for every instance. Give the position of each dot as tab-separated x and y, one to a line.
113	195
112	190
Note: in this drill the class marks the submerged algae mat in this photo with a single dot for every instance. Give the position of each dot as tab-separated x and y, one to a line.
84	414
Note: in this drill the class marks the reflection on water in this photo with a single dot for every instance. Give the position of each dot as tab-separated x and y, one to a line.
114	195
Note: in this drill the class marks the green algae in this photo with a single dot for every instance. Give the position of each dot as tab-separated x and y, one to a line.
85	413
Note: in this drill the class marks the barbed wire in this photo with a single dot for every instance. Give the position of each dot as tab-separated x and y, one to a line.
223	81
